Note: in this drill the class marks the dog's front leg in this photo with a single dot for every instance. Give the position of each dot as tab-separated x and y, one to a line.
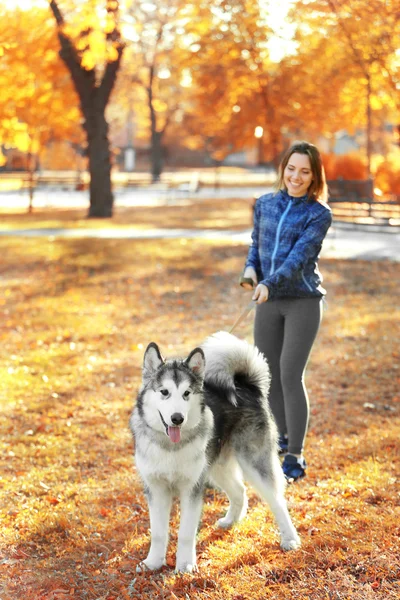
159	499
191	506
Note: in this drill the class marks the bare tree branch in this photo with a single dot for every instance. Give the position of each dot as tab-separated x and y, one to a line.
83	79
110	76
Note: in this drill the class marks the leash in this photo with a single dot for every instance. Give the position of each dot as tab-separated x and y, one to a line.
248	307
243	315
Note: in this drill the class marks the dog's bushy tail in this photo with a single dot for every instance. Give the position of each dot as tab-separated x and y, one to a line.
228	357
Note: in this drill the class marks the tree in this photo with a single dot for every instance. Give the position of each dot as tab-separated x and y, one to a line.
92	52
237	86
317	90
40	110
362	40
371	50
155	67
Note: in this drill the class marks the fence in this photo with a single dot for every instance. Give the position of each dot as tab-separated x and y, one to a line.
351	201
355	202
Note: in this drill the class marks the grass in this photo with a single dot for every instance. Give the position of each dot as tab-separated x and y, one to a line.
76	316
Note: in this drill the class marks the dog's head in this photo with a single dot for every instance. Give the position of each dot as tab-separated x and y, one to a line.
173	391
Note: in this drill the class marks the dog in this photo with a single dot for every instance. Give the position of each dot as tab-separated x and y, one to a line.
202	419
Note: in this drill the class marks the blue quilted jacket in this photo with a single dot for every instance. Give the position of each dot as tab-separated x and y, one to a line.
286	241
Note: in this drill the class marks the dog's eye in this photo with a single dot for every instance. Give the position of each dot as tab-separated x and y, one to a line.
164	393
186	394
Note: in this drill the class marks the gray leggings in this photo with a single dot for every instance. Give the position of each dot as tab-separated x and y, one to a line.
284	331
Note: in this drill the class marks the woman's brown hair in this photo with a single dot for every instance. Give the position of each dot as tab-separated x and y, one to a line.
318	189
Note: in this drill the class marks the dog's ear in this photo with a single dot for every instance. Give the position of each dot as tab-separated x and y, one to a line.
152	359
196	361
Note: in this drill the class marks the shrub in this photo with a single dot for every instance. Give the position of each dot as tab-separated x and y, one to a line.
345	166
387	176
329	161
350	166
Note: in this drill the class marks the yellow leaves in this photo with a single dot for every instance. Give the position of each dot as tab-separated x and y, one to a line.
22	140
112	54
51	56
387	176
159	105
44	98
88	61
109	25
27	110
11	124
95	49
112	4
17	134
376	103
5	46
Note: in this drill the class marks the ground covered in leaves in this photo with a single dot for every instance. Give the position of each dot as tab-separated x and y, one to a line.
76	316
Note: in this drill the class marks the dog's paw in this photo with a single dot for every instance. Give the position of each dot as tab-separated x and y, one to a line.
147	565
225	523
232	517
292	543
185	567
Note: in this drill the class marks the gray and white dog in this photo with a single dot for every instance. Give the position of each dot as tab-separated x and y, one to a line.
200	419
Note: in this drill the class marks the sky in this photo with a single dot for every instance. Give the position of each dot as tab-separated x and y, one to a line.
278	10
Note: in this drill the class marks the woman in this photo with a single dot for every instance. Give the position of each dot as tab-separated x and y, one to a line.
282	265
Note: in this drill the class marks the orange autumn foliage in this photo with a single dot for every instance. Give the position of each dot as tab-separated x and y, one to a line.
210	84
387	177
346	166
44	107
350	166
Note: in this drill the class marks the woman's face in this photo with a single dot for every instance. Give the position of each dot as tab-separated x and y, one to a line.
297	175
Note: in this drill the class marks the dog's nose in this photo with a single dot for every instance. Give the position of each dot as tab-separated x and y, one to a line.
177	419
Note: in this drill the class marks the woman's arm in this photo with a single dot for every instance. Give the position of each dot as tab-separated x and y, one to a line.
253	256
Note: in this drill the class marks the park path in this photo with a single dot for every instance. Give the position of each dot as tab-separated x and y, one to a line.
343	241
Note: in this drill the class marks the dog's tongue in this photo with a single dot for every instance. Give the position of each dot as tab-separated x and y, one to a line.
174	434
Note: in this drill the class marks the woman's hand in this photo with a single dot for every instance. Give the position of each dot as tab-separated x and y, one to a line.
249	273
261	294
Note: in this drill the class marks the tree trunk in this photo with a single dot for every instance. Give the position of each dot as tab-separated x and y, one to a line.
101	196
31	179
93	98
156	153
369	126
156	156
